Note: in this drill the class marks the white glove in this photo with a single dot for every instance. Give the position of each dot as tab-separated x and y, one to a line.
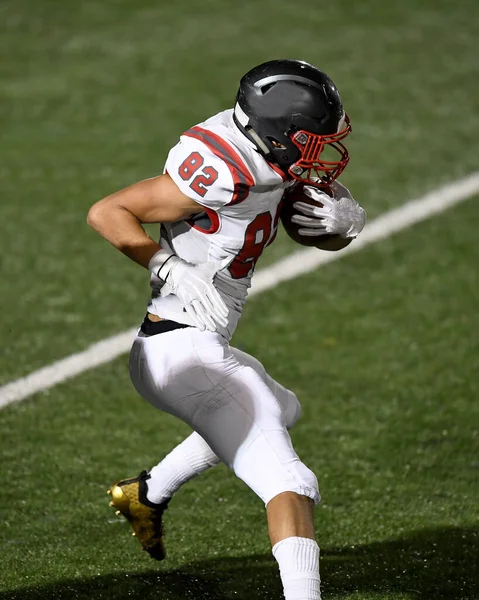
193	285
340	215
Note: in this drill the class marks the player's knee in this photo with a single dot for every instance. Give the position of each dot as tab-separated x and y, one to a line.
300	480
309	483
312	483
292	410
269	466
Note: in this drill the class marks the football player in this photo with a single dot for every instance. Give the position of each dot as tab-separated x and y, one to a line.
218	202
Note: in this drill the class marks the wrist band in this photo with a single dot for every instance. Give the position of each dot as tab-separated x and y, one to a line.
158	260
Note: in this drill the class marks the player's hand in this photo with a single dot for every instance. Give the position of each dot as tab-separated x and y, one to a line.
340	215
193	285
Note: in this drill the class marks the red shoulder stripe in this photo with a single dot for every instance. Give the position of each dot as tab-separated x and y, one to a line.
242	178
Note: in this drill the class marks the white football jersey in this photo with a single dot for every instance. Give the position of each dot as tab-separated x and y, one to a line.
218	167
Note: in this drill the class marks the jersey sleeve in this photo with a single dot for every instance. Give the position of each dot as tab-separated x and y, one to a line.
209	169
200	174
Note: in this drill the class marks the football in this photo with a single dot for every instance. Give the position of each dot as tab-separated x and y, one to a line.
324	242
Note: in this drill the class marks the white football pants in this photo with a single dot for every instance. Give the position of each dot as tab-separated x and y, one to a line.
228	398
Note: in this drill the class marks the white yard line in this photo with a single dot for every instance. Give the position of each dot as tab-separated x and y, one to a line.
294	265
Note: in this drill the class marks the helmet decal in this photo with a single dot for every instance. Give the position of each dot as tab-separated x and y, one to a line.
259	85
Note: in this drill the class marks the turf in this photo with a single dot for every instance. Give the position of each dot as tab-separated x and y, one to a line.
381	347
94	93
389	425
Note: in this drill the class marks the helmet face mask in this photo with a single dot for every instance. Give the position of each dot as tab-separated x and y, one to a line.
293	114
311	166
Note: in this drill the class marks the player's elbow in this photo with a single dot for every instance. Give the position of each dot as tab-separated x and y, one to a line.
96	217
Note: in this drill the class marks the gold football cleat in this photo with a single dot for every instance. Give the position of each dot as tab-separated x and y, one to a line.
129	499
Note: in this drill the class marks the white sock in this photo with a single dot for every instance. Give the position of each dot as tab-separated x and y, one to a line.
187	460
298	560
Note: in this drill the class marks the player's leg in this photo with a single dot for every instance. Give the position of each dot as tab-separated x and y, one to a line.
245	426
163	369
291	531
186	461
290	515
235	412
286	398
193	456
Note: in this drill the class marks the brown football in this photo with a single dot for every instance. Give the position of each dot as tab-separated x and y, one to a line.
328	241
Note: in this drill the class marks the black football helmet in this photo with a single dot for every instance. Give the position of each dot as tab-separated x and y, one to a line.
292	112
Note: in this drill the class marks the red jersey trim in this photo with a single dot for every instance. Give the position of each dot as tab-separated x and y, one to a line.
214	218
242	178
276	169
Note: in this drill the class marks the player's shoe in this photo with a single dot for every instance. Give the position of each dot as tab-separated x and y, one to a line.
129	498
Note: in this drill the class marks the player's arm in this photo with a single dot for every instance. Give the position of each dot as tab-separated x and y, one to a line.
119	217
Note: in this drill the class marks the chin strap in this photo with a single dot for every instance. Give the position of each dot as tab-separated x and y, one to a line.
259	142
241	120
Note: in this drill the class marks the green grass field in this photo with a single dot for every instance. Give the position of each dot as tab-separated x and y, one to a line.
382	347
